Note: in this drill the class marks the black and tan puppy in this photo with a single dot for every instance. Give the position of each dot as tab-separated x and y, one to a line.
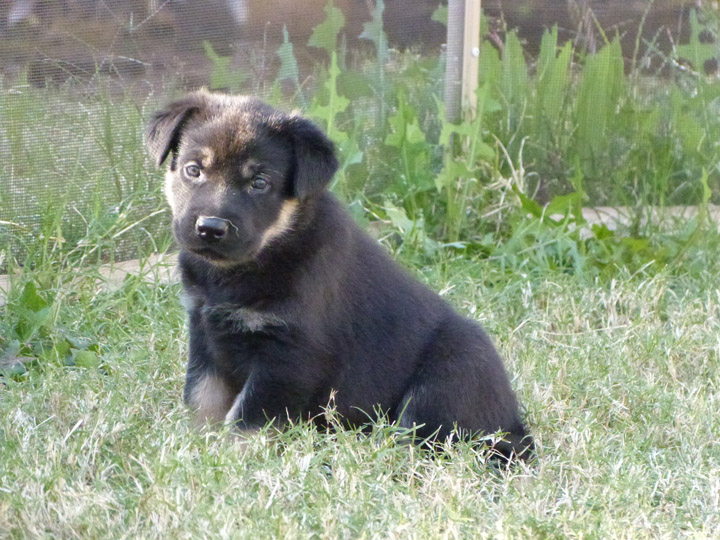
289	300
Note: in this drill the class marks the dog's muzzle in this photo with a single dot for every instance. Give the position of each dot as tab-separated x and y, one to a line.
211	229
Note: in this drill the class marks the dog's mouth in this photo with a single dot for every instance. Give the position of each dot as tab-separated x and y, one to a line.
210	255
221	260
207	252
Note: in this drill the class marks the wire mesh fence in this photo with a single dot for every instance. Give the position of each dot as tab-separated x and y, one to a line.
586	94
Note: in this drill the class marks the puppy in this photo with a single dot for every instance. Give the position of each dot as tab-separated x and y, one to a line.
289	301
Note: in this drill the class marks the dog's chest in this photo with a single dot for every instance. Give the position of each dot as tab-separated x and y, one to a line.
240	335
231	309
223	319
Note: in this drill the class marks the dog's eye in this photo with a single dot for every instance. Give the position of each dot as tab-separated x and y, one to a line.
259	184
192	170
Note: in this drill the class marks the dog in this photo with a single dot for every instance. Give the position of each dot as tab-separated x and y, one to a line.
290	302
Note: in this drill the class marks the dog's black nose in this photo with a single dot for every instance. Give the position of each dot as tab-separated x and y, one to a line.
211	228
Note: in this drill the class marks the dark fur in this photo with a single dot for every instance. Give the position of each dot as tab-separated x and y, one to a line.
276	326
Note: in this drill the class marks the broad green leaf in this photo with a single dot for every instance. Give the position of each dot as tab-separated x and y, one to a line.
563	204
288	63
30	299
222	76
707	192
490	65
413	133
374	31
448	129
412	230
325	34
514	70
399	218
31	322
548	48
598	99
529	205
601	232
404	124
86	359
409	141
454	170
553	81
335	105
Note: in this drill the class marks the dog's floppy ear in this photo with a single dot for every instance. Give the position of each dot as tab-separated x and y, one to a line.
163	132
315	161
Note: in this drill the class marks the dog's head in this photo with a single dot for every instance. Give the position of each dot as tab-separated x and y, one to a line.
239	172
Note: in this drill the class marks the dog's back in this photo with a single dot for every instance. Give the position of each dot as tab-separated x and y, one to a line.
422	362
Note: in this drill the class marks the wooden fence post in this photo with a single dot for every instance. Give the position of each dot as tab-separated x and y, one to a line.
462	55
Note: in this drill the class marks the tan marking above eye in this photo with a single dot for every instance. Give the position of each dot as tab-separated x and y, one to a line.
248	168
207	156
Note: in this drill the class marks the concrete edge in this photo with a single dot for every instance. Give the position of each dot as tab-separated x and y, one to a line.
157	268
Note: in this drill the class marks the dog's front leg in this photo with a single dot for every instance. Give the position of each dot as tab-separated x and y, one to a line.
206	392
267	397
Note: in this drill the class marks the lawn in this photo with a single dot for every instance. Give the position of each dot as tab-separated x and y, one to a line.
620	382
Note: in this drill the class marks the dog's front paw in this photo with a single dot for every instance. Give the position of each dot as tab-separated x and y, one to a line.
234	414
239	433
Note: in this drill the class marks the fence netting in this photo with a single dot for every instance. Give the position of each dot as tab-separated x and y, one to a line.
577	90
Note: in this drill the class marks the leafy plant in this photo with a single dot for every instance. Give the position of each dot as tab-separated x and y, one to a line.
599	97
553	83
33	336
289	70
325	35
410	147
223	77
463	168
374	31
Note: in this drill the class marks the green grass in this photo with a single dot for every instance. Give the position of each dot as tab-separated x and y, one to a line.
620	380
